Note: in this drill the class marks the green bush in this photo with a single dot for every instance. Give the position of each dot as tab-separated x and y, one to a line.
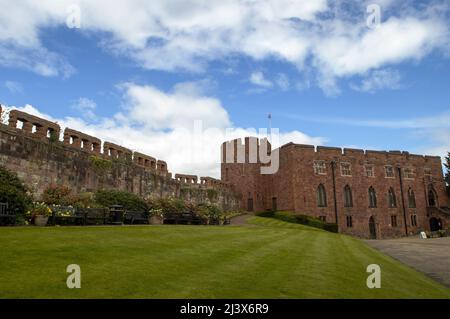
170	205
130	201
13	192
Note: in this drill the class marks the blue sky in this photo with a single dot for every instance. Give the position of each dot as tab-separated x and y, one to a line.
137	73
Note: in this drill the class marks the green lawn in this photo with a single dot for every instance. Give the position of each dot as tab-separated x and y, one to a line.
269	259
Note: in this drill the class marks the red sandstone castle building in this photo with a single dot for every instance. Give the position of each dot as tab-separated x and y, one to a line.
369	194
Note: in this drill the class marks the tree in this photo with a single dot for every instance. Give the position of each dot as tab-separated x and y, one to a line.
13	192
447	173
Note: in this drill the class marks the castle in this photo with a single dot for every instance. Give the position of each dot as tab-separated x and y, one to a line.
369	194
30	146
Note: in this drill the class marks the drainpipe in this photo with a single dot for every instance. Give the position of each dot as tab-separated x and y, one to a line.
333	171
399	169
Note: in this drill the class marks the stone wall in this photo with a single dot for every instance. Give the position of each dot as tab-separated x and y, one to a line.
294	187
30	147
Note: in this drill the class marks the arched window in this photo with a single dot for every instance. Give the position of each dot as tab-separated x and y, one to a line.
392	199
372	197
348	198
321	196
411	198
432	202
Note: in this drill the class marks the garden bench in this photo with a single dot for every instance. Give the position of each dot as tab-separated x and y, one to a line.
6	215
67	216
95	216
134	216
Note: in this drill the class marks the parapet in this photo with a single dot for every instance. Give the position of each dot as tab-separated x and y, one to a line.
186	179
144	160
82	141
237	151
162	166
116	151
33	125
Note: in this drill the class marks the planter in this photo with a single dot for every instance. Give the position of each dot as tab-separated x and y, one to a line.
40	220
156	220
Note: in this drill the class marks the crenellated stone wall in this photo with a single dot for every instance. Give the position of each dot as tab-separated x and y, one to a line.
30	147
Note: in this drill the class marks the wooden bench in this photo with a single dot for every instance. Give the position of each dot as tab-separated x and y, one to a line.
95	216
6	216
67	216
134	216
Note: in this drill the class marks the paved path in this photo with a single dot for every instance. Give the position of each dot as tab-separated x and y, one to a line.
430	256
241	219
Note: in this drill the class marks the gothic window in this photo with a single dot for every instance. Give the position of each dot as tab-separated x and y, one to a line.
411	198
414	220
392	199
348	198
321	196
372	198
431	198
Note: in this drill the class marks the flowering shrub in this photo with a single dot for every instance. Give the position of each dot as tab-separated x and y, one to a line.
40	209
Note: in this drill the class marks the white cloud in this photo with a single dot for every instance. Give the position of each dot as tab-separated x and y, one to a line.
378	80
283	82
166	125
13	87
172	35
86	107
257	78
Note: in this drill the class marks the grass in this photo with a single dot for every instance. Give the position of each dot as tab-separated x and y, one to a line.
269	259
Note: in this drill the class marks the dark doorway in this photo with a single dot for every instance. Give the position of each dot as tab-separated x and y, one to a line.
274	204
250	205
435	224
372	228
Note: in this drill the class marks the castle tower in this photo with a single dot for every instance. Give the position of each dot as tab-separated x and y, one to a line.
241	167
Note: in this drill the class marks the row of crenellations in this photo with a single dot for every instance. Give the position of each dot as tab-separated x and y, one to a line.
325	150
43	129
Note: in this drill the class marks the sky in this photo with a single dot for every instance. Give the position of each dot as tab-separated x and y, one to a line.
150	74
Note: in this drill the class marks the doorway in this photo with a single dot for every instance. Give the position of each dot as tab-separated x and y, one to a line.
435	224
372	228
250	205
274	204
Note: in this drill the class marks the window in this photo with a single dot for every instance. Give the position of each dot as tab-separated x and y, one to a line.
321	196
323	218
389	170
408	173
411	198
372	198
392	199
427	171
348	198
393	220
414	220
370	172
346	169
431	197
320	168
349	222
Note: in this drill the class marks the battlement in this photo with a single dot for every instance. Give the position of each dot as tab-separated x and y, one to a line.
144	160
186	179
33	125
393	155
244	151
82	141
